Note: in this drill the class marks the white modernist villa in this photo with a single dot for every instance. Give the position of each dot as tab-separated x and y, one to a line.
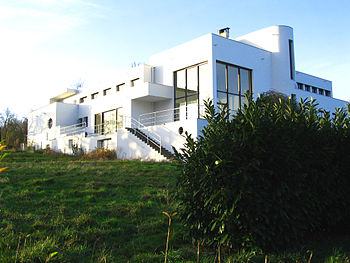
143	113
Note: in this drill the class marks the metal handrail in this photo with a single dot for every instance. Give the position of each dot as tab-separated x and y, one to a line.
73	129
168	115
160	117
139	128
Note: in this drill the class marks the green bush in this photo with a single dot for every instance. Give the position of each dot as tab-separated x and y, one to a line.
267	177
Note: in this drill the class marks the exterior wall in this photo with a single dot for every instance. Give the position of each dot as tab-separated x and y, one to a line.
275	39
240	54
191	53
129	147
66	114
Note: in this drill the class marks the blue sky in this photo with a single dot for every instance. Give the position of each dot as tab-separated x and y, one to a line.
46	46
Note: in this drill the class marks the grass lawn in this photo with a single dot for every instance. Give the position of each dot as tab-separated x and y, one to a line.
106	211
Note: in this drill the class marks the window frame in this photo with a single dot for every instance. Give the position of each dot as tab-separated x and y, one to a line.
239	94
186	96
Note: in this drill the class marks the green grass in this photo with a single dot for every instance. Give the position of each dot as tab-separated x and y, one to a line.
106	211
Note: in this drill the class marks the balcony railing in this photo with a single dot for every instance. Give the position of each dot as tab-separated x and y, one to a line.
192	111
109	127
73	129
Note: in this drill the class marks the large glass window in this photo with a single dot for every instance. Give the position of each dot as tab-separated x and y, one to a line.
108	122
188	83
232	83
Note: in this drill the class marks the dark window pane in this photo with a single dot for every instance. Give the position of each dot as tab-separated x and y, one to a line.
222	97
221	77
232	78
245	80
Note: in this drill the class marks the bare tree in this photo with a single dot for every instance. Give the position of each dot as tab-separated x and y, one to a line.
12	129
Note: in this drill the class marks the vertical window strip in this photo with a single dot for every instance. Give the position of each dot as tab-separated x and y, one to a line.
291	59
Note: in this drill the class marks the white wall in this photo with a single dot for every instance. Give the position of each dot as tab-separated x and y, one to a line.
313	81
66	114
130	147
182	56
240	54
275	39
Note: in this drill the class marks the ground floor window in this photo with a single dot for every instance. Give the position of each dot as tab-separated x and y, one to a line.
104	143
232	83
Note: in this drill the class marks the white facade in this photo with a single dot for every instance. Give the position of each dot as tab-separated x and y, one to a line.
152	103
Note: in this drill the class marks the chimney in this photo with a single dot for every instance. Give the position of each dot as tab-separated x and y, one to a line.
224	32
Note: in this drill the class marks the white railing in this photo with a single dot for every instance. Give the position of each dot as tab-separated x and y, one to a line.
192	111
73	129
141	130
160	117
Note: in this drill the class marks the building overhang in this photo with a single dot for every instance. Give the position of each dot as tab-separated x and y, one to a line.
64	95
152	92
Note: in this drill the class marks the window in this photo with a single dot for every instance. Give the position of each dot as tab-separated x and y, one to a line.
83	122
291	59
314	89
108	122
328	93
49	123
188	83
120	87
70	143
94	95
105	143
134	82
232	84
300	86
106	91
307	87
321	91
82	100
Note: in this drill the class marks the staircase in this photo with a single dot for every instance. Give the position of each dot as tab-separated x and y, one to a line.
151	142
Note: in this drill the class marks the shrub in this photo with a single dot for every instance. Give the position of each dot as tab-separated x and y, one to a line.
101	154
269	177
